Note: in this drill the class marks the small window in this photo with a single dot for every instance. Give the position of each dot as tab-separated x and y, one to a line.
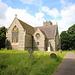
37	35
37	43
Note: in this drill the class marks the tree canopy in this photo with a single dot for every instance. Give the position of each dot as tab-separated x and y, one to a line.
65	39
71	30
68	38
2	36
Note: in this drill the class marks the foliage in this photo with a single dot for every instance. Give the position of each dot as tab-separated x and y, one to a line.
18	63
2	37
68	38
71	30
65	40
72	41
74	51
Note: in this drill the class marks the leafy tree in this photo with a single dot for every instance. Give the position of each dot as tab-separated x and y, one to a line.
2	36
68	38
65	40
72	41
71	32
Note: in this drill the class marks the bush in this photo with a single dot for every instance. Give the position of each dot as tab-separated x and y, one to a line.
3	49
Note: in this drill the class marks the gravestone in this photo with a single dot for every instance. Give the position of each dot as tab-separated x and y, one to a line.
30	52
53	55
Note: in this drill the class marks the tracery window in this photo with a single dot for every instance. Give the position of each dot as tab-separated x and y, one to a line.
15	33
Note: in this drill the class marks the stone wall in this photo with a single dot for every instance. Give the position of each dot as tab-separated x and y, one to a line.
21	37
52	41
41	40
28	42
47	23
57	42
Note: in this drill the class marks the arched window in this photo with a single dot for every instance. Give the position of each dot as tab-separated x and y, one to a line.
15	33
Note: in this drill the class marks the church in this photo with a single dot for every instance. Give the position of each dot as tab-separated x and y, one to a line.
22	36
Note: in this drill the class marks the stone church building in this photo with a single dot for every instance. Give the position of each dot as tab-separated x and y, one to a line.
22	36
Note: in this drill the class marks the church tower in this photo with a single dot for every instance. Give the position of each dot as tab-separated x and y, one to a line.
47	23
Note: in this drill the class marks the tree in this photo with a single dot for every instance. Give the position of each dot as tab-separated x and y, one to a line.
72	41
68	38
71	32
65	40
2	36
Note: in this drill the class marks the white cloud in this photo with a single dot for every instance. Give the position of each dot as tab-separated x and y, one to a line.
63	1
54	12
68	17
22	14
39	15
7	16
3	9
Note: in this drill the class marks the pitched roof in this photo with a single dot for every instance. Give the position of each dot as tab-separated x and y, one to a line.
44	33
27	27
48	30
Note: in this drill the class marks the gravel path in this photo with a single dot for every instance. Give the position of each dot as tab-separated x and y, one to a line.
67	67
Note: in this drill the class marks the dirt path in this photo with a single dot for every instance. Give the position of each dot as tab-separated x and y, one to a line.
67	67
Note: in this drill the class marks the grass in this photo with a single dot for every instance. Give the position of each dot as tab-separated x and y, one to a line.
74	51
14	62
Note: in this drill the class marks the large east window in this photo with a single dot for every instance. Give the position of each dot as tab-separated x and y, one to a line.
15	33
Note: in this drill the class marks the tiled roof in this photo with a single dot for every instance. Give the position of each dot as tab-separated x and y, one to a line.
29	29
44	33
48	30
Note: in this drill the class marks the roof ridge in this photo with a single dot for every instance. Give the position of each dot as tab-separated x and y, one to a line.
25	23
45	26
26	26
48	30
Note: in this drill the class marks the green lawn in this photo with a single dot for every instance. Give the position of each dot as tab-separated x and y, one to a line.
74	51
14	62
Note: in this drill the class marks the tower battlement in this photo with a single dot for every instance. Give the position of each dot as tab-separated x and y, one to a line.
47	23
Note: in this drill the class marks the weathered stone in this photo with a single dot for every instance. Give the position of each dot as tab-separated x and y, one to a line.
60	51
30	52
53	55
27	38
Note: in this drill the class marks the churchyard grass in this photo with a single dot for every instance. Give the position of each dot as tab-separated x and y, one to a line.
14	62
74	51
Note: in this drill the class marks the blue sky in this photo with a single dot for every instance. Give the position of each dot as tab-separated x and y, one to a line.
34	12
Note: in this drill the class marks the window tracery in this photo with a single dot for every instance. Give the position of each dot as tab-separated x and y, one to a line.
15	33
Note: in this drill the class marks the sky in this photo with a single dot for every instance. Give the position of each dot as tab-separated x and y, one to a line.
34	12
